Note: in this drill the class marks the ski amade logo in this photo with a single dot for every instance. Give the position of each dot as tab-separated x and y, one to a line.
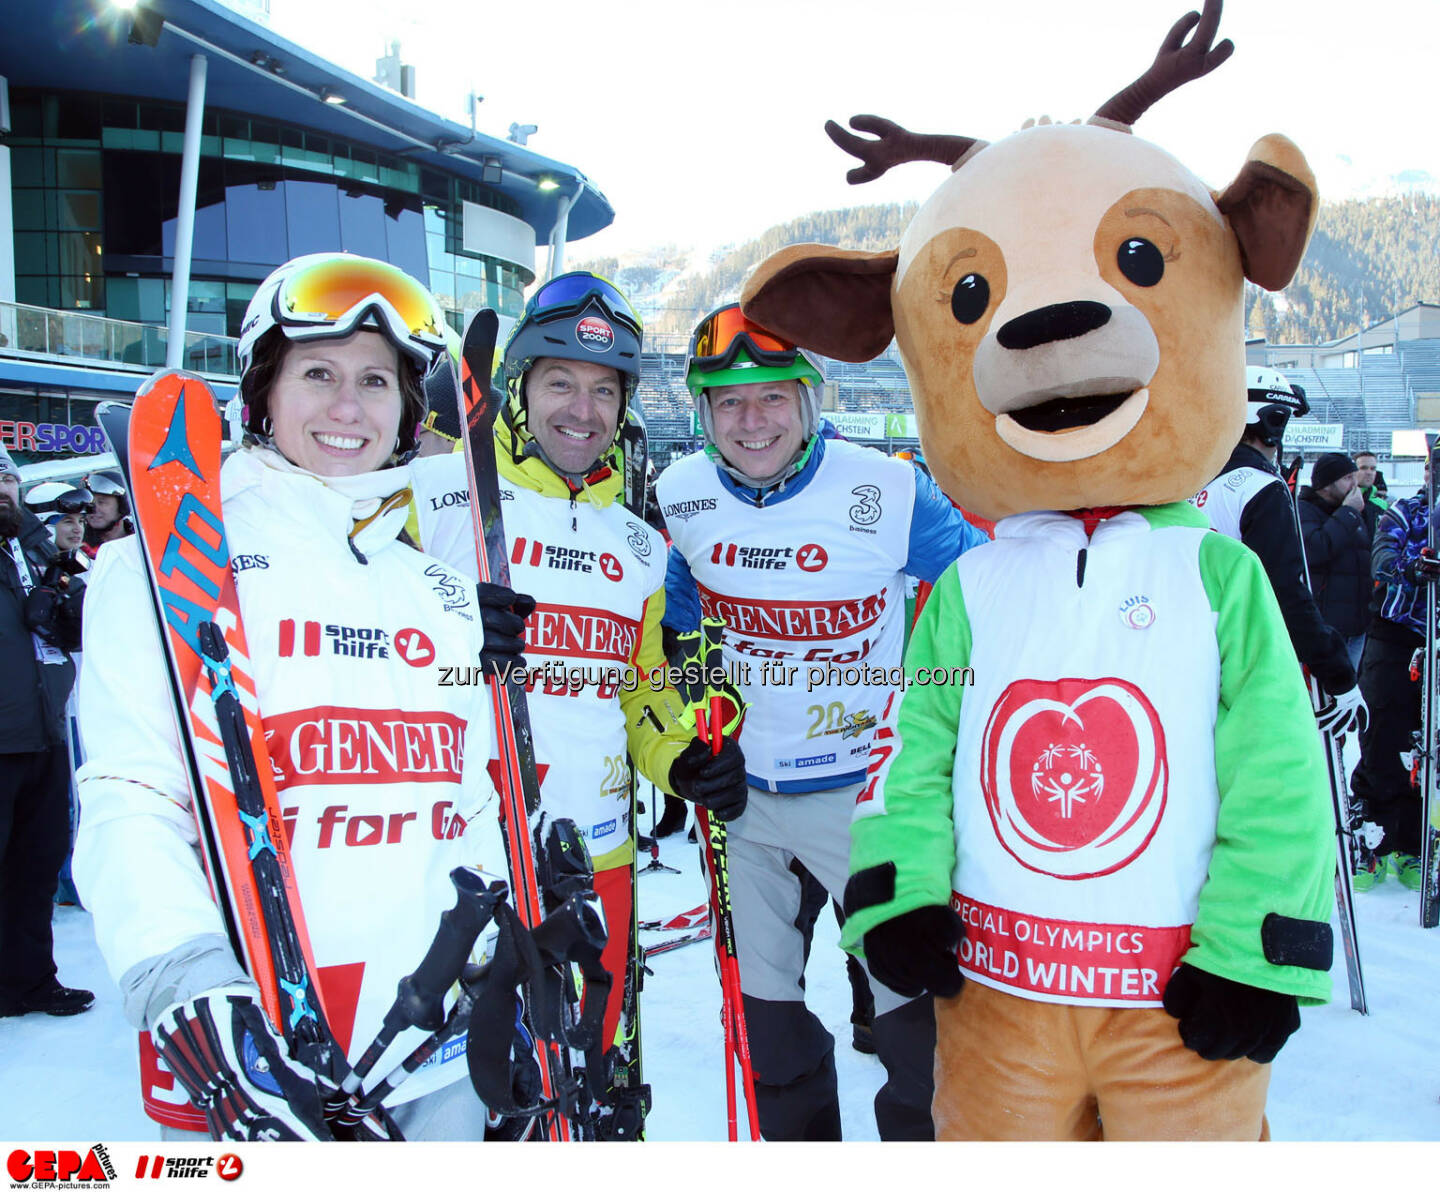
594	334
55	1169
1074	774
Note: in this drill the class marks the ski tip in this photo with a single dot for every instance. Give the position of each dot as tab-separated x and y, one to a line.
167	376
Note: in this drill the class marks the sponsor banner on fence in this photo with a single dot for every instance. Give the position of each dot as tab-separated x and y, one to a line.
1314	436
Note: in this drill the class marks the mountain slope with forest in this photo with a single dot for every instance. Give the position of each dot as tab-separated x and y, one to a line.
1369	259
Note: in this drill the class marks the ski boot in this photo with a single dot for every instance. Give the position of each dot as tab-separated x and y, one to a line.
1369	869
1406	868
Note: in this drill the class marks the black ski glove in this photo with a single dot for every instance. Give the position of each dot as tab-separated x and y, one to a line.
715	781
914	953
233	1066
1221	1019
502	613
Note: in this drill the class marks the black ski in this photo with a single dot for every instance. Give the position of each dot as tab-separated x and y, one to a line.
625	1098
1429	764
549	864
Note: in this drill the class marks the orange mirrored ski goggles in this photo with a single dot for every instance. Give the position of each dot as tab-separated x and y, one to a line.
722	333
334	296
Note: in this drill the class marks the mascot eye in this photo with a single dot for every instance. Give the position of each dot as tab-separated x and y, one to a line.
969	298
1141	262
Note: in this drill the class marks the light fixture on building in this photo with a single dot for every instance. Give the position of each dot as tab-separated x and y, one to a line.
492	171
521	133
329	95
265	62
547	184
145	22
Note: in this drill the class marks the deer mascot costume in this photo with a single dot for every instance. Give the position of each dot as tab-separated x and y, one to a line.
1118	825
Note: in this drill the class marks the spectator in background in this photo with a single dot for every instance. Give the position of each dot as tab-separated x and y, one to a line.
1371	483
39	621
68	531
1337	548
1372	479
110	519
1385	807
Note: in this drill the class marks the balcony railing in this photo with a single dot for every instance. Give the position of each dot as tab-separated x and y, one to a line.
41	333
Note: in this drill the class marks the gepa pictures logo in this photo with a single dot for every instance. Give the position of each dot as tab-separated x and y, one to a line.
55	1168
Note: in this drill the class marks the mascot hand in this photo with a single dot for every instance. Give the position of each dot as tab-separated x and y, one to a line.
914	953
1222	1019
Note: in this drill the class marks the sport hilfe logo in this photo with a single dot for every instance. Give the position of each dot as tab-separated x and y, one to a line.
227	1166
595	334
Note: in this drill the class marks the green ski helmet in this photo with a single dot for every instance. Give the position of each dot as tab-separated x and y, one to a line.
729	349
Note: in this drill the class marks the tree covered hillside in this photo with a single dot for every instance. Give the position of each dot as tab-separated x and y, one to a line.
1369	258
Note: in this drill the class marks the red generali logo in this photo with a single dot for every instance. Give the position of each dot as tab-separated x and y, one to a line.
794	620
594	333
61	1167
1074	773
576	632
364	745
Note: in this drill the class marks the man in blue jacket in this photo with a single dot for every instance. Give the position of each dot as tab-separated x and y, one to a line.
1386	805
802	543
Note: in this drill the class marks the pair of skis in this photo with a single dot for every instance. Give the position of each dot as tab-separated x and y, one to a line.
606	1098
169	447
689	927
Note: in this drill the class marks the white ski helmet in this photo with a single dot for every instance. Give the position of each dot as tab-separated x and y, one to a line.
1271	400
331	295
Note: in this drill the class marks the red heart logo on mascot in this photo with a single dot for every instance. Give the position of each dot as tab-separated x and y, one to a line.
1074	774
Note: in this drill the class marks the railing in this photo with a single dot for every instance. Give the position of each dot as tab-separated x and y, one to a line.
40	332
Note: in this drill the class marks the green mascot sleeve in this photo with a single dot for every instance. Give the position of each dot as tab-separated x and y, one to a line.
902	839
1264	913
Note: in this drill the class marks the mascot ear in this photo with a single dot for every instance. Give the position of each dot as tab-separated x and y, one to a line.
831	300
1271	207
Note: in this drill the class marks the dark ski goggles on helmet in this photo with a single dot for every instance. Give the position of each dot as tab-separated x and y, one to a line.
724	333
571	293
75	500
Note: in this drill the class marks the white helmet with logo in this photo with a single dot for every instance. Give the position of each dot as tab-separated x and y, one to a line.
1271	400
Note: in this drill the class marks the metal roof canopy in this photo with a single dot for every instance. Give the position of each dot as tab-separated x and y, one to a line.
71	45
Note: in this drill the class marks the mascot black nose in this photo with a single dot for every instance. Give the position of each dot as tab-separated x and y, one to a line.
1064	320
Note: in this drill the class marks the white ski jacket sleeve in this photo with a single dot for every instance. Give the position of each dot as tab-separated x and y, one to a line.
135	796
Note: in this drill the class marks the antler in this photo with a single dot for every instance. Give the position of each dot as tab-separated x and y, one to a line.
1178	62
892	146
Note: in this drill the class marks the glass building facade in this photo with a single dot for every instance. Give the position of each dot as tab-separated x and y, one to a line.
95	185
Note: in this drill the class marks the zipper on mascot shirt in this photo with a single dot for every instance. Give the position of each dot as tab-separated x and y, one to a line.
1091	518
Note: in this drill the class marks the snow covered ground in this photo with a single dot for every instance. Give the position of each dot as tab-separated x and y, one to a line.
1342	1077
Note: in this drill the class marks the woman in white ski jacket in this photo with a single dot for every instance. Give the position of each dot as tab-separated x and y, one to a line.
347	625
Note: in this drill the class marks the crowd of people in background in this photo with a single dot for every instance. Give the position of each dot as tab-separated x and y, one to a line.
43	555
